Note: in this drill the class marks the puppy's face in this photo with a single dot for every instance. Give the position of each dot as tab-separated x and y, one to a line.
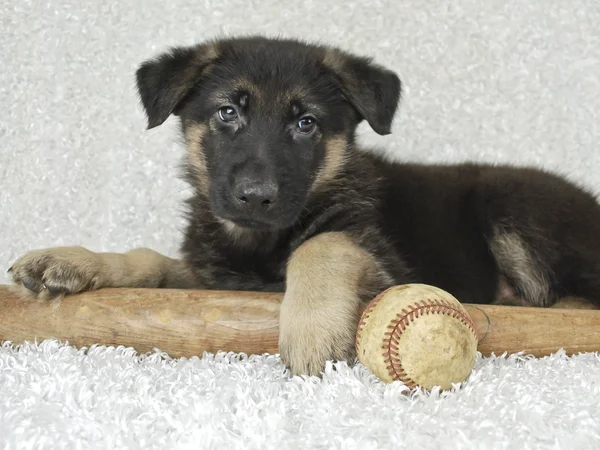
267	122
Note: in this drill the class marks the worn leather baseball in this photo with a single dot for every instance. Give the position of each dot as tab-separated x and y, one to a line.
418	334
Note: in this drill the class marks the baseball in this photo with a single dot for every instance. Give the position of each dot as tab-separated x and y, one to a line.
418	334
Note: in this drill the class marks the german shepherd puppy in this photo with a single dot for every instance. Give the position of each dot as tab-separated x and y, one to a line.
285	201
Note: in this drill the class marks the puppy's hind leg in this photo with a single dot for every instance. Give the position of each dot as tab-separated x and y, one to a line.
524	279
544	233
537	271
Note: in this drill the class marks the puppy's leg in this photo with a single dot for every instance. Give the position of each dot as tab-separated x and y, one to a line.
524	278
542	270
64	270
327	278
544	233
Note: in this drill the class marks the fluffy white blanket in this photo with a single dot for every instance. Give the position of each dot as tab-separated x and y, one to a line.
55	396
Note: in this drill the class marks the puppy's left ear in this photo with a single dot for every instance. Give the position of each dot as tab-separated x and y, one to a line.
374	91
165	81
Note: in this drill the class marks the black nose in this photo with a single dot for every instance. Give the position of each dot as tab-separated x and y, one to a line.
255	194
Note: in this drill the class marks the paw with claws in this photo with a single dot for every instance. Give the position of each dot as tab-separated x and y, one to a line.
57	271
308	341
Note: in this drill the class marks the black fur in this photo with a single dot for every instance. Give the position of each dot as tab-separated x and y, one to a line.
456	227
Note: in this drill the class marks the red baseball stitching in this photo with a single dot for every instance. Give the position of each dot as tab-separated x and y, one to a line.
365	315
401	322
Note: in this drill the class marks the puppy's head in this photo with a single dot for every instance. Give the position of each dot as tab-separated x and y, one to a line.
266	121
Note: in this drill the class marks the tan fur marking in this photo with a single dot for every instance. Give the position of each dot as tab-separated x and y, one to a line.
334	59
514	259
241	84
295	93
319	311
335	158
205	55
574	303
256	94
337	61
194	134
142	267
240	236
207	52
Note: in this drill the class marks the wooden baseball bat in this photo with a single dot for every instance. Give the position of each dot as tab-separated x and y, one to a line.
188	322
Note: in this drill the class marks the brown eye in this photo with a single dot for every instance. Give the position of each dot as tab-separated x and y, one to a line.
307	124
228	114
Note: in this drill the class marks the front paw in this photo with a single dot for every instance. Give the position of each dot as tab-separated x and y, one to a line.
307	341
57	271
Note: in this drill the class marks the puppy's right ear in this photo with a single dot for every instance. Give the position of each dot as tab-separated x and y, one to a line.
164	82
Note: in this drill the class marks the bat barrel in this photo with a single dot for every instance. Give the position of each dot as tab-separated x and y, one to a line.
535	331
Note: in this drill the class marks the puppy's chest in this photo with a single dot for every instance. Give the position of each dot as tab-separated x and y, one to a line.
252	270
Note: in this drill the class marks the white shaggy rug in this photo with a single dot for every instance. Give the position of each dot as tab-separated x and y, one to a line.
55	396
495	80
